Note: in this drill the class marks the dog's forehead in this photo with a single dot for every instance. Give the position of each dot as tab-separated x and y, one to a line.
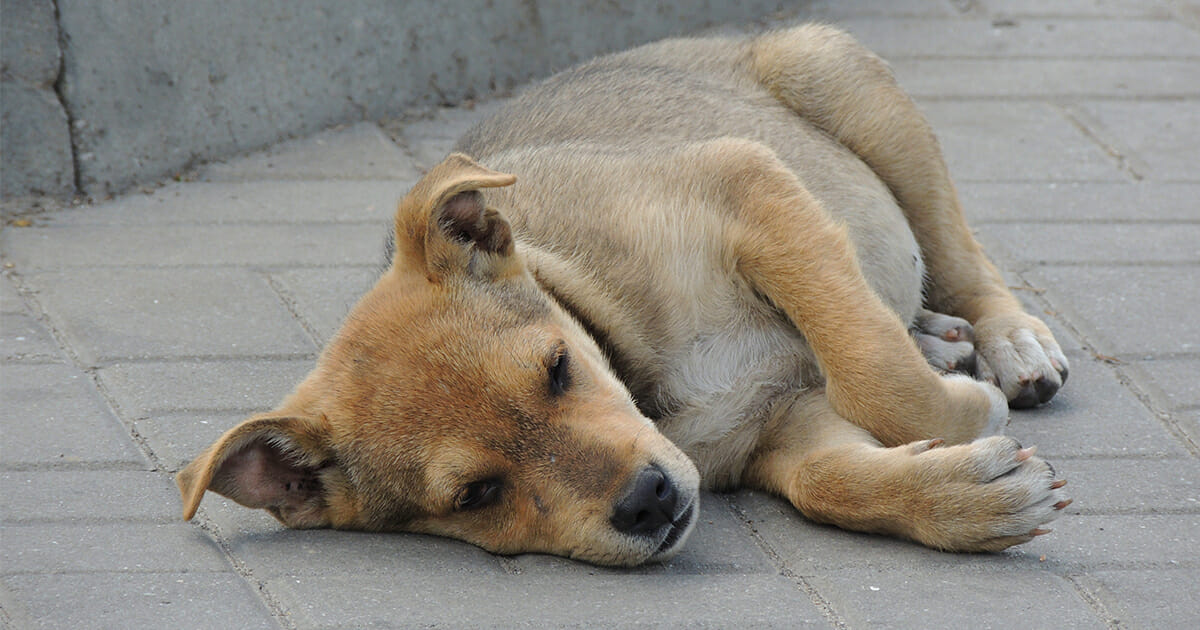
403	318
413	351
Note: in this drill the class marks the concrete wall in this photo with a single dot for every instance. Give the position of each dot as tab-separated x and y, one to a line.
35	142
152	86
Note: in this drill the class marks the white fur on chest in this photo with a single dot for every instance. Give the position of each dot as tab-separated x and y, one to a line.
722	384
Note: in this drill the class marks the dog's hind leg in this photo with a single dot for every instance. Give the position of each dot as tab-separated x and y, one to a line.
830	80
985	495
786	246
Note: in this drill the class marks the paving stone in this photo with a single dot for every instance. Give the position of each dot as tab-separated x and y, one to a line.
1063	242
810	549
1160	598
1078	543
140	600
1171	382
1188	422
597	598
225	203
88	495
1047	78
429	140
1030	297
234	521
53	415
177	438
282	552
1164	135
1093	415
360	151
23	338
429	152
113	314
1081	8
1124	486
1128	38
323	297
918	597
125	547
171	245
999	141
719	543
1079	201
1114	305
1087	543
10	299
153	388
842	9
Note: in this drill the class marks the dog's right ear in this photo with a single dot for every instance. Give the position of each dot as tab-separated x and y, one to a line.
444	226
278	463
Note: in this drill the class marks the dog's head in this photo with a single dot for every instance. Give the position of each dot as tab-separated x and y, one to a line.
459	399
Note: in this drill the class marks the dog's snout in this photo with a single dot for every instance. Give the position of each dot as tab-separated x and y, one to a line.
650	503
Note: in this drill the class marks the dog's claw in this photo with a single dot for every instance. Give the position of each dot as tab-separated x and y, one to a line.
1025	453
1058	484
1040	532
1062	504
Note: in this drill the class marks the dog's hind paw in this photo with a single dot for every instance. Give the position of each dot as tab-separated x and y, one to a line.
1017	353
946	341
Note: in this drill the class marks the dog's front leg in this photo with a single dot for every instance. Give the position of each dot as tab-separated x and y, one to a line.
985	495
787	248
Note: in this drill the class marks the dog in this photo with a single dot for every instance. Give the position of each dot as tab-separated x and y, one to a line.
708	262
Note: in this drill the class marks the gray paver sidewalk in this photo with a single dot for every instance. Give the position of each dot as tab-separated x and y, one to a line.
134	332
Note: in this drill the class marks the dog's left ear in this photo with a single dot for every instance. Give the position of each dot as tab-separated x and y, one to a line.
444	226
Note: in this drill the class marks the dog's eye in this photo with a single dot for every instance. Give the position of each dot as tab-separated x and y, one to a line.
479	494
559	371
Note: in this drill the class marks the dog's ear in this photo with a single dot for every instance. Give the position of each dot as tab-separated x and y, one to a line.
280	464
444	226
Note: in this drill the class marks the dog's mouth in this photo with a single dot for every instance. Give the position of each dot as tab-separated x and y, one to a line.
679	529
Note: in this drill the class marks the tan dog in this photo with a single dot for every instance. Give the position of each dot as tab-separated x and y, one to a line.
711	252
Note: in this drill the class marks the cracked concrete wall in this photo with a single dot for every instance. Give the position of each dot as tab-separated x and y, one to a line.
154	86
35	142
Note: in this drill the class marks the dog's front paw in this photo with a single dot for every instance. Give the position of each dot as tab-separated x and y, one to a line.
987	495
1017	352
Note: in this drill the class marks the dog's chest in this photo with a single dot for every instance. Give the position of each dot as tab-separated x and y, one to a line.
717	386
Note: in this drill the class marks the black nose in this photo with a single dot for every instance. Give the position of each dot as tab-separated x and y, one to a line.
650	503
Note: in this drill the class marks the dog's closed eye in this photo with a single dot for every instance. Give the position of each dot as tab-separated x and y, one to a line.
478	494
559	371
